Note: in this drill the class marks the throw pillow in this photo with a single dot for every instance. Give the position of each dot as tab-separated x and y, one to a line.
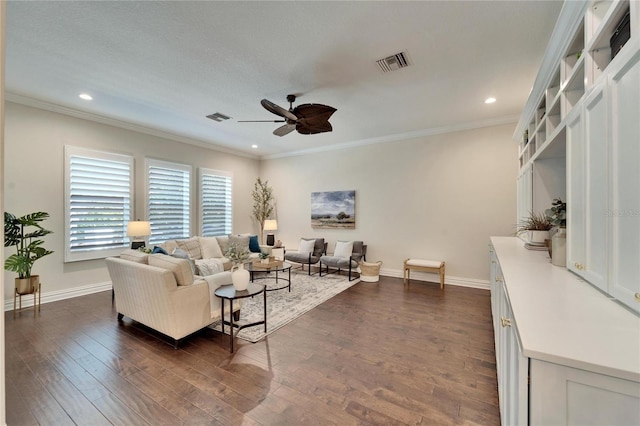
209	247
208	267
158	249
254	245
181	254
180	267
239	241
223	242
306	246
191	246
343	249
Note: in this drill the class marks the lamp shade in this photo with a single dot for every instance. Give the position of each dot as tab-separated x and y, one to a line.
270	225
138	228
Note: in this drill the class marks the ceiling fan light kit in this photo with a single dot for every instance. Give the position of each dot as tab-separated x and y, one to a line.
306	119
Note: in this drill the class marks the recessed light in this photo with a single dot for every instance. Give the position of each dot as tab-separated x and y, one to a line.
254	146
489	100
85	96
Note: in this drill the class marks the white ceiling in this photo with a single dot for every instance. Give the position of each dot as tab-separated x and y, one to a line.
166	65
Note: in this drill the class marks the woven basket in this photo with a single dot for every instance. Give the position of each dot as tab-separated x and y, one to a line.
369	271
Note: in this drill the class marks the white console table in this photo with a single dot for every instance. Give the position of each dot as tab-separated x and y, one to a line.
566	353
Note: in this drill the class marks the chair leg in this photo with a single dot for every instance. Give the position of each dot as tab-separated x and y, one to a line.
320	268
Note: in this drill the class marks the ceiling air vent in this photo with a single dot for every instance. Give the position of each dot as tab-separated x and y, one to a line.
393	62
218	117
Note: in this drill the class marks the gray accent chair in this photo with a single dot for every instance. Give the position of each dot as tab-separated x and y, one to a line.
319	248
351	263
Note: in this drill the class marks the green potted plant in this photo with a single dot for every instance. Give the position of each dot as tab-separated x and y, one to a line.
536	228
262	204
238	255
28	248
557	214
264	257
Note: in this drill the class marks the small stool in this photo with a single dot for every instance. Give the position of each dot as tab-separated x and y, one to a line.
421	265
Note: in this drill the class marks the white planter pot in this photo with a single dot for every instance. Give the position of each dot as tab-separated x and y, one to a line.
240	278
538	236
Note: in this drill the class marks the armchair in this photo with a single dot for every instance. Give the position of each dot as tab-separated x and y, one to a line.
342	260
308	258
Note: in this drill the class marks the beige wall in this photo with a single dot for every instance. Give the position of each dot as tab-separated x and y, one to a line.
437	197
34	180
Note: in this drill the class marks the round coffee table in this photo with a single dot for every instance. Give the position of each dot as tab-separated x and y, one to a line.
229	292
284	267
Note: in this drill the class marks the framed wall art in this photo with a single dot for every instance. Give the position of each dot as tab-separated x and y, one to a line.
333	210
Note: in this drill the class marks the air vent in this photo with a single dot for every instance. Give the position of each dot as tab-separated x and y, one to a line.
218	117
393	62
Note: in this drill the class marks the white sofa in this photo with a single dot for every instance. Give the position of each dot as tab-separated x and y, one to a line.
208	252
162	293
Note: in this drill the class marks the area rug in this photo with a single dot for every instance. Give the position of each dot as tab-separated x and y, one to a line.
283	306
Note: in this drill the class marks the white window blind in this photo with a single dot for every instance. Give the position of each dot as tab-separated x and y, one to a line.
98	193
215	202
168	200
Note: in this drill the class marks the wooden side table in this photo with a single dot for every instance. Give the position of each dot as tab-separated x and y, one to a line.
228	292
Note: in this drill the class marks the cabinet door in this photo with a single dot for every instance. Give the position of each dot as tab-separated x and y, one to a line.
624	200
594	268
576	171
525	193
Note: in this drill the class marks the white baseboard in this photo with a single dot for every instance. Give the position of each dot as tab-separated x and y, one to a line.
53	296
435	278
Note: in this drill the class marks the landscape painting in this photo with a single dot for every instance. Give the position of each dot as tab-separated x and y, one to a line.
333	210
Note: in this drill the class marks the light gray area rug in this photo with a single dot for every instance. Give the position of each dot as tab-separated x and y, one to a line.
283	306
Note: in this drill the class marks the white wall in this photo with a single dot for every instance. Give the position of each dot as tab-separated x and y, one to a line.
437	197
34	181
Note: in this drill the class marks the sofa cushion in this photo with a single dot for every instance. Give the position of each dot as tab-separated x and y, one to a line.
211	266
181	254
306	246
254	244
223	242
180	267
343	249
209	247
134	256
191	246
169	245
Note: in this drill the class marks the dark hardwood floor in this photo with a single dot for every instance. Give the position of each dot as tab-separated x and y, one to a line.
375	354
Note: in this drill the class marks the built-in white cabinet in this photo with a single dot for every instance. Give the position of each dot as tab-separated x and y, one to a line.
579	140
565	353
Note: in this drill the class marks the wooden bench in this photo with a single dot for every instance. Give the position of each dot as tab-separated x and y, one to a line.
422	265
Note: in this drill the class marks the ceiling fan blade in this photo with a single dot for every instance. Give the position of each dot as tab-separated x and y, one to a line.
284	130
305	128
277	110
319	111
262	121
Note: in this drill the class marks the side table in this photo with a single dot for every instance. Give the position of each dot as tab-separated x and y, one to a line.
18	296
228	292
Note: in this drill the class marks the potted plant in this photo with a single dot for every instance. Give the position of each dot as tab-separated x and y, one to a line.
262	204
28	248
264	257
238	255
536	227
557	214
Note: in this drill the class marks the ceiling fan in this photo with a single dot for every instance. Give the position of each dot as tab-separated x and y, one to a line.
306	119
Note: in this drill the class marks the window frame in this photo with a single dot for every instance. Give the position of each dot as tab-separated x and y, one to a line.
73	151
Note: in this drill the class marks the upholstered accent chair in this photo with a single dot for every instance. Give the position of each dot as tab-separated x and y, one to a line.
346	256
307	254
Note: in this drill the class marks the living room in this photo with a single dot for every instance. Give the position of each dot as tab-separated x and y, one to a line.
439	191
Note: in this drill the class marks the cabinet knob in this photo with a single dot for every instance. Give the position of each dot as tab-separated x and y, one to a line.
506	322
498	279
637	297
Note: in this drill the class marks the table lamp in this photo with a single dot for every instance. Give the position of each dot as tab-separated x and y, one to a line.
137	229
270	225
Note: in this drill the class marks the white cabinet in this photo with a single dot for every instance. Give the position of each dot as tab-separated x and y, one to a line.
563	395
576	218
624	201
525	196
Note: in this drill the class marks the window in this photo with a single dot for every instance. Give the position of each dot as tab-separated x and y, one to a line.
215	202
168	200
98	192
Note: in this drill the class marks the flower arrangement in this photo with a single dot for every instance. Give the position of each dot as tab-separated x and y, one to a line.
557	214
237	254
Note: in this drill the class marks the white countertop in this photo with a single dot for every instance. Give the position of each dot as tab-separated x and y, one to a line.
562	319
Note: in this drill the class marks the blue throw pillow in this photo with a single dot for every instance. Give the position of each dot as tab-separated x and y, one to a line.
254	245
158	249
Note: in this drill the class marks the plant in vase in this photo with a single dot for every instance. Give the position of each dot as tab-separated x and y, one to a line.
264	257
238	255
536	228
557	216
28	248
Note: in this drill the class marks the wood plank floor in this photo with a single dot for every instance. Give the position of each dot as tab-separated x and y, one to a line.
379	353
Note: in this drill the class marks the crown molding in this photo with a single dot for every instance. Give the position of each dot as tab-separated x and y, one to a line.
36	103
401	136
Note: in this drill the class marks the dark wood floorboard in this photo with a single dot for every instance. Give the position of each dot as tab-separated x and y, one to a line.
380	354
